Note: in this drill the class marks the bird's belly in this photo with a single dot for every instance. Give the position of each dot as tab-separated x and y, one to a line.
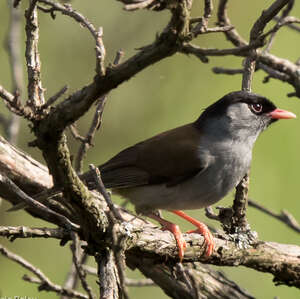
201	191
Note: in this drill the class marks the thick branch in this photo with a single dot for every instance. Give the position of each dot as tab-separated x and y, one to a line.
142	238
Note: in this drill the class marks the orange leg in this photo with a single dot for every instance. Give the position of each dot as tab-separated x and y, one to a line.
175	230
201	228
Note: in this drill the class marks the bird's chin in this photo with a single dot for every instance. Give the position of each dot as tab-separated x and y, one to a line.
272	120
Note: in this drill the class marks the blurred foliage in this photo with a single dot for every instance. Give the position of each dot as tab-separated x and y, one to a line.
165	95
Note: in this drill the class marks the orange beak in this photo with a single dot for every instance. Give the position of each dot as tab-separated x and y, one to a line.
281	114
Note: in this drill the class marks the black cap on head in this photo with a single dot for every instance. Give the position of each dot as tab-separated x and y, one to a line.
219	108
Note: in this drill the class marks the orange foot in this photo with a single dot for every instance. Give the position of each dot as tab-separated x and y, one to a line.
175	230
202	229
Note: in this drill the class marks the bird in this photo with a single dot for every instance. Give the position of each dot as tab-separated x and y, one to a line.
195	165
192	166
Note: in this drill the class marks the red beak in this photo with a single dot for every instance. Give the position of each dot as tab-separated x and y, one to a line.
281	114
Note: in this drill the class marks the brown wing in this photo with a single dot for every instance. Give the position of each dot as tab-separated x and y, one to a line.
170	157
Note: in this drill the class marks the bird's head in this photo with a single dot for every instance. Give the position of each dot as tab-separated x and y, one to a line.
241	114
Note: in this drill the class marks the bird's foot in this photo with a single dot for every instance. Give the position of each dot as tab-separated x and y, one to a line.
202	229
175	230
208	237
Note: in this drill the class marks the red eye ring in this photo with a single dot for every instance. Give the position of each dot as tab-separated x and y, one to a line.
256	108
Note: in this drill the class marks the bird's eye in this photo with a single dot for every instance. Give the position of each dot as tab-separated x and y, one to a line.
256	108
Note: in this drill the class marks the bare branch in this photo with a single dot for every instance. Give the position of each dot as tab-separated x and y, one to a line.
67	9
201	53
14	232
14	51
80	271
5	182
284	216
6	95
72	276
76	135
113	217
291	25
223	20
109	280
87	141
130	282
166	44
43	280
221	70
55	97
95	125
139	5
35	89
69	293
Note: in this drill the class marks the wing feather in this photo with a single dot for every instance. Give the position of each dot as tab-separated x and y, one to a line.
171	158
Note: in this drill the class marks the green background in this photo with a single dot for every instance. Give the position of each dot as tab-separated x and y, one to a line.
168	94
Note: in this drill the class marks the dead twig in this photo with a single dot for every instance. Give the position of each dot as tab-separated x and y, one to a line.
80	271
55	97
67	9
14	232
113	217
5	182
95	125
86	142
15	57
284	216
221	70
35	89
44	282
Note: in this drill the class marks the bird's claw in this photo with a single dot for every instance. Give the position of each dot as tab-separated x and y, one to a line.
208	238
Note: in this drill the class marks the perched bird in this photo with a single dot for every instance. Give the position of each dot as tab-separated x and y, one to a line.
195	165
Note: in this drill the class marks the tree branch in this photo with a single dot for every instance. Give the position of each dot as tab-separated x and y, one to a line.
35	89
43	280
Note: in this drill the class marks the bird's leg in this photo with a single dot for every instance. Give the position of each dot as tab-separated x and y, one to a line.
201	228
175	230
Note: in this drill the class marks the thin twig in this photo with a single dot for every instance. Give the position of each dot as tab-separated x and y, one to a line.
291	25
6	95
227	71
14	51
5	182
14	232
202	53
95	125
55	97
101	188
67	9
76	134
43	280
113	217
87	141
80	271
284	21
72	276
223	20
140	5
284	216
